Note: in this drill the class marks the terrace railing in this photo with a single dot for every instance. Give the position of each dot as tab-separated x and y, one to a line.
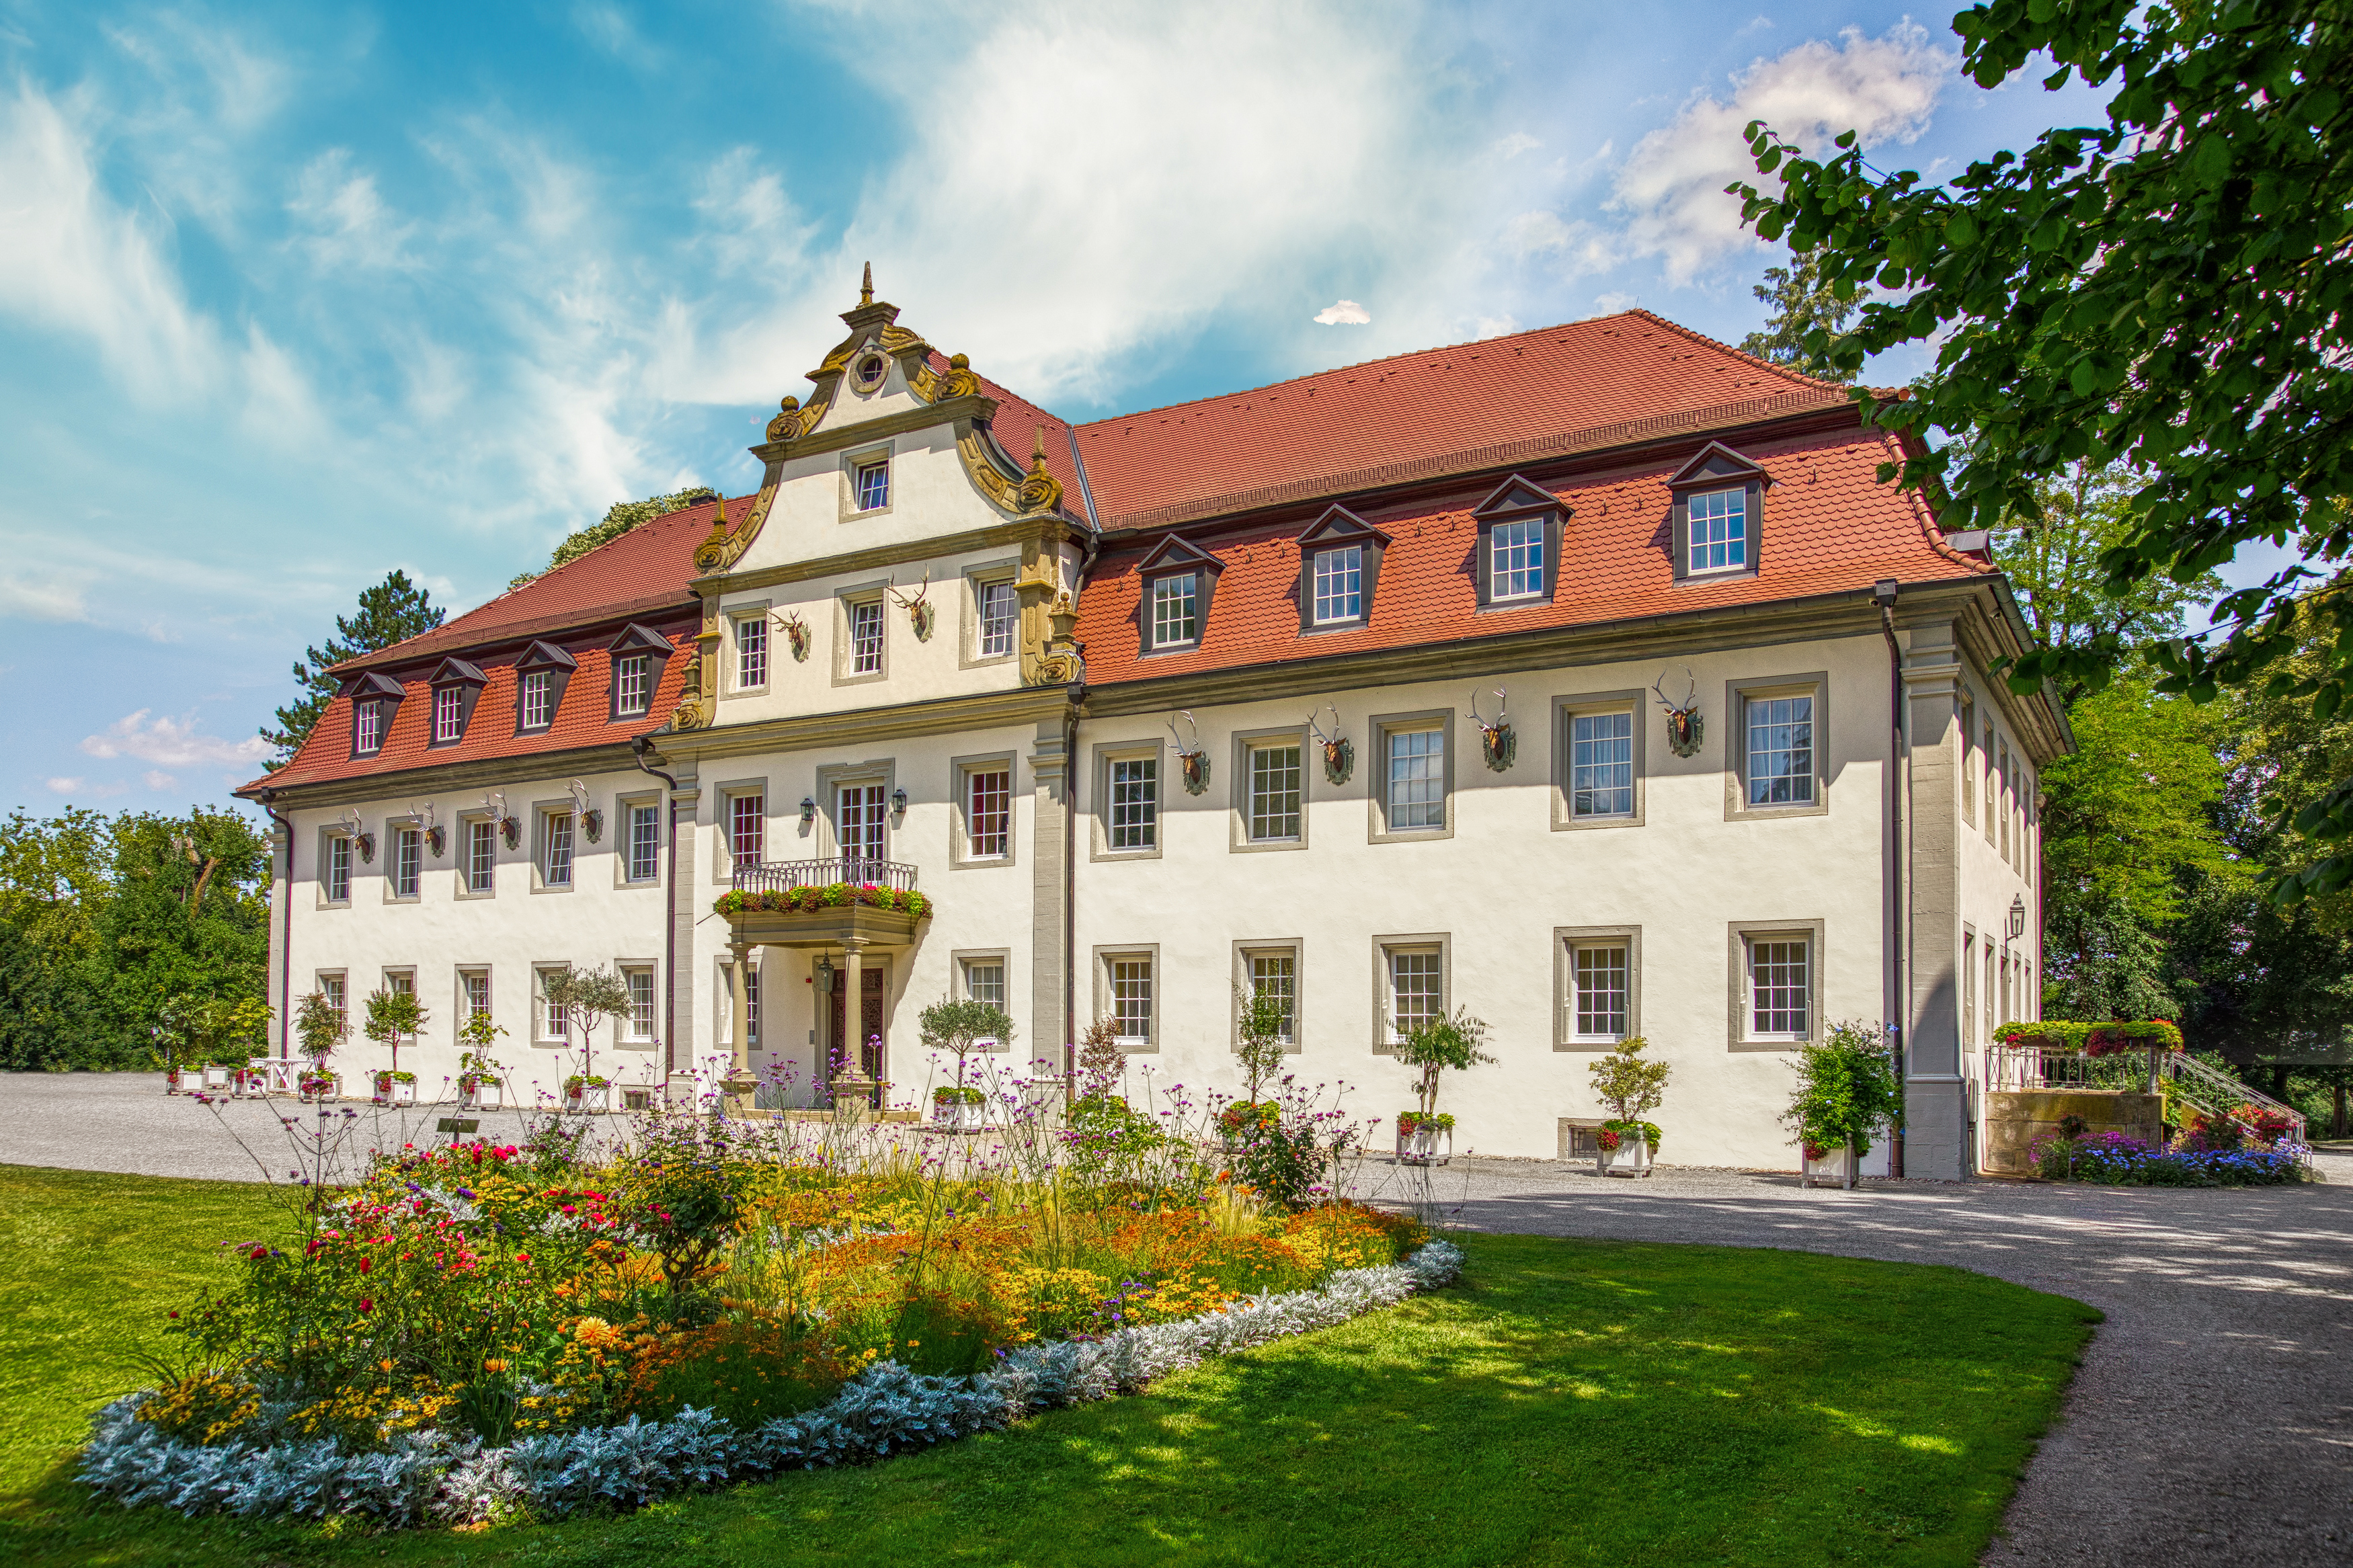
2011	1069
782	876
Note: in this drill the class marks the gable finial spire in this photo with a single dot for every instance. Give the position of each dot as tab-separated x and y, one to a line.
1038	452
866	285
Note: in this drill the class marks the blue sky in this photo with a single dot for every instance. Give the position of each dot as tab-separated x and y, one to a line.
291	295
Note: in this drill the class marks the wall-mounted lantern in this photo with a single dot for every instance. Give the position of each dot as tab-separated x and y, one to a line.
2017	916
808	810
898	803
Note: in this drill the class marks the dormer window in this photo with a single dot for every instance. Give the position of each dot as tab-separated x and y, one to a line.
375	698
1339	569
367	726
541	674
1339	584
1179	580
536	707
873	486
456	685
449	713
1719	503
1519	543
632	684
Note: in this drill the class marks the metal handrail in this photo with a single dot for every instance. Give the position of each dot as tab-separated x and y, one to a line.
782	876
2011	1069
2219	1094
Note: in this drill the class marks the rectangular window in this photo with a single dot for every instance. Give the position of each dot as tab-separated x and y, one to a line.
407	861
367	726
645	843
984	981
988	813
751	1006
1416	779
1135	803
1719	531
633	684
639	1020
1273	794
859	815
1601	765
1598	980
1131	1000
752	652
1275	975
1969	988
1416	982
338	869
1340	583
999	611
747	827
402	983
1515	569
1780	987
554	1017
338	999
866	637
477	985
1992	790
2005	803
538	685
559	849
1781	750
1968	762
1175	617
449	712
873	486
481	855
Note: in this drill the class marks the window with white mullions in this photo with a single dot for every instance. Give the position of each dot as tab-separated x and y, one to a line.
338	869
752	651
1275	977
477	994
873	486
408	860
1719	531
1273	793
368	733
632	686
1340	583
481	855
639	1020
1131	1000
747	827
1135	803
538	687
645	843
1416	779
988	810
1176	616
1598	975
1515	568
866	637
555	1017
1781	750
1780	987
999	613
858	817
559	849
449	713
985	982
1601	765
1416	983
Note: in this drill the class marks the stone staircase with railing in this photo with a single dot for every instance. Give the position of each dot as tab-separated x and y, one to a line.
2152	1070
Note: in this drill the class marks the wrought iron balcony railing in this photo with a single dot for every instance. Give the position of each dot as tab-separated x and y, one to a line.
782	876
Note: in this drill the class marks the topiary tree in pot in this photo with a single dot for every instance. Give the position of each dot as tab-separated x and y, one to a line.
392	1017
588	997
321	1026
961	1026
1632	1088
1845	1095
1437	1045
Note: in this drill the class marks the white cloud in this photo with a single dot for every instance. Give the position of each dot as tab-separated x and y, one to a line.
1613	302
1344	313
347	222
170	742
64	785
156	779
41	599
1671	188
1496	326
609	30
1517	143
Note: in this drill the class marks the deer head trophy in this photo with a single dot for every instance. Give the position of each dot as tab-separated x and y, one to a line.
1339	756
919	610
1497	741
1684	726
426	820
360	837
1191	759
795	630
494	806
591	820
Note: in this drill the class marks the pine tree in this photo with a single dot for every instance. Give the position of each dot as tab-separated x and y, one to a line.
621	517
1801	300
393	611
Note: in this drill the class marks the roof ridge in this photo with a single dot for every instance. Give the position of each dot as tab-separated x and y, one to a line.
1757	360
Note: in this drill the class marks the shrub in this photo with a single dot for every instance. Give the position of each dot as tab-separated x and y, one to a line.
1846	1093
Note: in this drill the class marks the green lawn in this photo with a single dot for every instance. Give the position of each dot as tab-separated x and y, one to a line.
1570	1402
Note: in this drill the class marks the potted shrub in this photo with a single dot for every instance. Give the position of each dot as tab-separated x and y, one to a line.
394	1087
955	1109
481	1081
1434	1045
321	1026
1846	1095
393	1016
587	1091
1631	1088
588	997
1424	1139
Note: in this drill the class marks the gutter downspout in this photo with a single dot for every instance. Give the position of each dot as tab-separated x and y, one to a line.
1899	785
286	943
1078	695
640	746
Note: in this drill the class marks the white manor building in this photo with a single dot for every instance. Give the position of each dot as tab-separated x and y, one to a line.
1356	688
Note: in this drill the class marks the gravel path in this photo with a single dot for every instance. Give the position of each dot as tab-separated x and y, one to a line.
2213	1413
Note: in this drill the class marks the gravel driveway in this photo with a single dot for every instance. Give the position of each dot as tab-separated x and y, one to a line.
2213	1414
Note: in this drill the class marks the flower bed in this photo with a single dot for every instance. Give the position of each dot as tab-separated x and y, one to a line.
465	1327
2116	1159
813	900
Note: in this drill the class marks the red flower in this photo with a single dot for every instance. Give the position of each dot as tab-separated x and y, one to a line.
366	1264
367	1304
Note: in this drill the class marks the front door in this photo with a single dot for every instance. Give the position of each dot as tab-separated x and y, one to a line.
869	1032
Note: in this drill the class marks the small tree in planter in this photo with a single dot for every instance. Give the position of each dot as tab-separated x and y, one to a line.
1437	1045
479	1079
960	1026
393	1016
321	1026
1633	1089
588	997
1846	1096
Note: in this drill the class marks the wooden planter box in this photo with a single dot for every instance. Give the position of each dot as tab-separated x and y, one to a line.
1426	1146
956	1116
487	1095
597	1096
392	1093
1631	1158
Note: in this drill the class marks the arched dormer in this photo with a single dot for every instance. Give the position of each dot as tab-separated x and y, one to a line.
1339	569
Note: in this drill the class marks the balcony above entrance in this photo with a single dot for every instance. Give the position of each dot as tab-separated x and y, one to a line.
825	904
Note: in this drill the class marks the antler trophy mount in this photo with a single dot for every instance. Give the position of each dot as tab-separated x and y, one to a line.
1192	760
1339	756
1684	725
1497	741
919	610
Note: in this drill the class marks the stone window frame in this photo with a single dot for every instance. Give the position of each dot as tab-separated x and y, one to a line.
1566	940
329	837
873	591
460	999
1107	752
1739	934
394	826
866	457
1518	500
1006	569
342	977
464	833
1395	942
619	1024
539	1037
383	982
960	771
542	840
1376	731
731	683
623	804
1247	947
1105	952
960	987
884	770
1238	788
1716	467
723	796
1566	710
1737	694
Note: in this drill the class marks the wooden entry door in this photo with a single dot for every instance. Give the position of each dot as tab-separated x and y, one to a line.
869	1057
